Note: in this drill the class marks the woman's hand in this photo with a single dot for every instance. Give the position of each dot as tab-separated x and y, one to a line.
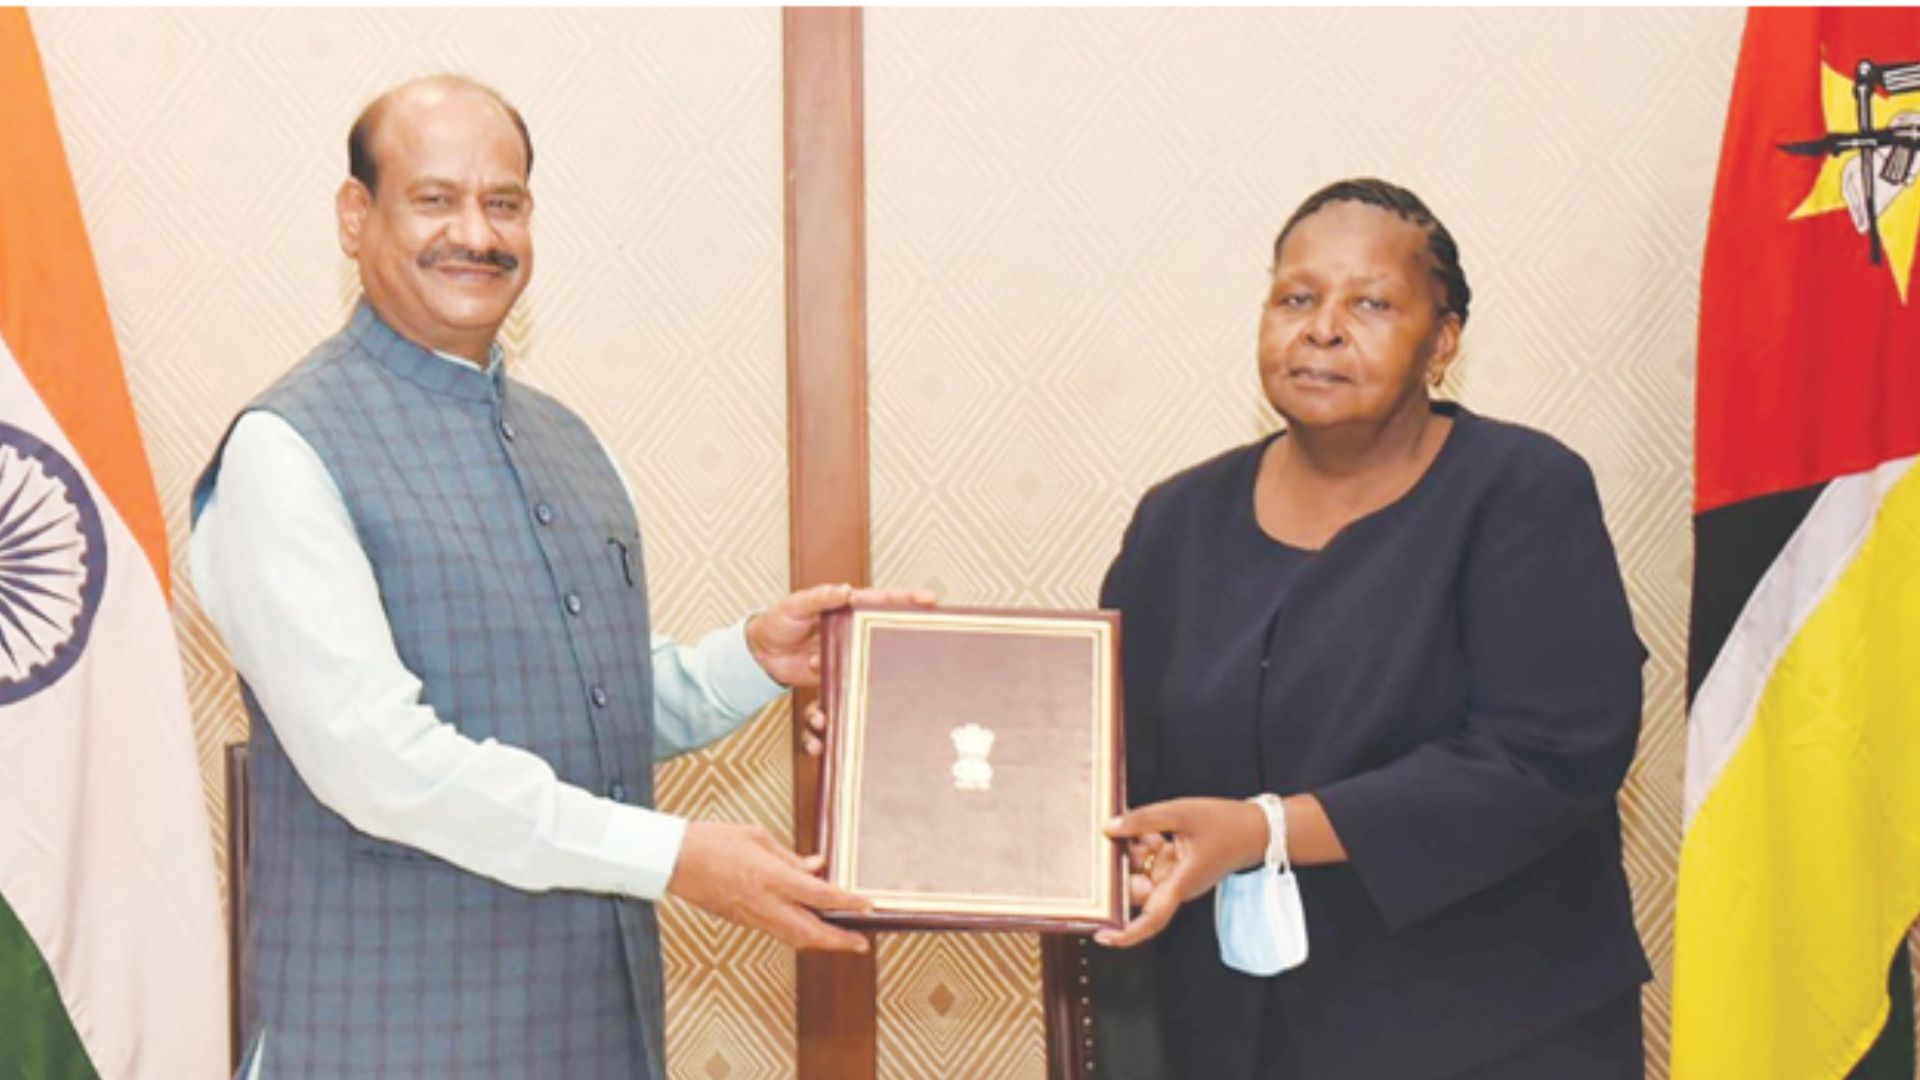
1151	859
1178	850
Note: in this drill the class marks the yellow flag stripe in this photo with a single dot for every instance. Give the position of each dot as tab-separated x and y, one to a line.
1798	581
1800	872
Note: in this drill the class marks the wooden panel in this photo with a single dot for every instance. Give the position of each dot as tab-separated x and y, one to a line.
826	439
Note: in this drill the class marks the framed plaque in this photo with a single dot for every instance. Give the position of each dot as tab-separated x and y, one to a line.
972	758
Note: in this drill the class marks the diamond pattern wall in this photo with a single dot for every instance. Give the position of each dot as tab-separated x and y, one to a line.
206	146
1069	216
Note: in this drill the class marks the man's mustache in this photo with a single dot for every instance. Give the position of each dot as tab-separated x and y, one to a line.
434	256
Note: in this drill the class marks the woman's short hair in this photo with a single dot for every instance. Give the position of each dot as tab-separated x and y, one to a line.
1408	207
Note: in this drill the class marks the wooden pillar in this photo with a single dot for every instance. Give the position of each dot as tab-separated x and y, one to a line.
826	439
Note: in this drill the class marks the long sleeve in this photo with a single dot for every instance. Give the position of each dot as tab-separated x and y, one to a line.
281	573
1553	713
704	692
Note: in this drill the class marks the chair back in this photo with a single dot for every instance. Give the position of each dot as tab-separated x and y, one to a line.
237	837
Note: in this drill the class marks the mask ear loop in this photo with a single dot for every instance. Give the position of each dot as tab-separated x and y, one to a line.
1285	912
1276	813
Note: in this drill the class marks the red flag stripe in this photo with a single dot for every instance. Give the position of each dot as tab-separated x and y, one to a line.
1809	361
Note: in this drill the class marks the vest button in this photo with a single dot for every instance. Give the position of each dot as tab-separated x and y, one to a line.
617	791
598	696
573	604
543	514
506	430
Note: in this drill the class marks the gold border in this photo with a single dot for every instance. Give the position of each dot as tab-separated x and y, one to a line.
1097	904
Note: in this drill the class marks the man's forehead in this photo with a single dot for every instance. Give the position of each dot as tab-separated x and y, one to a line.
436	91
453	111
419	107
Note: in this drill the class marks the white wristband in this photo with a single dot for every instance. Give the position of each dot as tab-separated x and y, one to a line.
1276	812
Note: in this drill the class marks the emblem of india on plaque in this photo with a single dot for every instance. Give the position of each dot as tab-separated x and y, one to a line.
971	772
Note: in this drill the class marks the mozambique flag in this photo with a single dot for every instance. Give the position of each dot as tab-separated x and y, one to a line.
1800	864
112	961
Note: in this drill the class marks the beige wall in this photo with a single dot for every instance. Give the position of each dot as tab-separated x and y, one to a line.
206	146
1069	215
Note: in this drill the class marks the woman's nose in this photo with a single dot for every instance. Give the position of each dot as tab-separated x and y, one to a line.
1324	328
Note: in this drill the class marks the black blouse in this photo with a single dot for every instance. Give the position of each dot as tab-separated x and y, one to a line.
1456	676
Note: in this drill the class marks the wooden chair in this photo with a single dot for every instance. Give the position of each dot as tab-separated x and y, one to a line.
237	836
1066	991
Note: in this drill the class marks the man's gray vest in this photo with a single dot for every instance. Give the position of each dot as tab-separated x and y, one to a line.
508	561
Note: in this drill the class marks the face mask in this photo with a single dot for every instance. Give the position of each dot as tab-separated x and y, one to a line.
1257	914
1259	920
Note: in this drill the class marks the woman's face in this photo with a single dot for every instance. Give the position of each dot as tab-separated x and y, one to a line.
1352	329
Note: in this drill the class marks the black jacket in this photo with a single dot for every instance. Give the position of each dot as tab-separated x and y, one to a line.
1457	677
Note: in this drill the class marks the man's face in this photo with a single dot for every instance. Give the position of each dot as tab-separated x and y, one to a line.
444	245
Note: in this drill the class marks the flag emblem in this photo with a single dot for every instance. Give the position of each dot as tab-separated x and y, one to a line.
1872	149
53	565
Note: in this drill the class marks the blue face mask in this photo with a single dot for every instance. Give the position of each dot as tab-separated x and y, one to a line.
1257	914
1261	925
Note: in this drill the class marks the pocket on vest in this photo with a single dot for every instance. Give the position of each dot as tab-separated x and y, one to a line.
623	548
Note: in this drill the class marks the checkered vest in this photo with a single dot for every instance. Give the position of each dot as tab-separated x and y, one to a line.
508	561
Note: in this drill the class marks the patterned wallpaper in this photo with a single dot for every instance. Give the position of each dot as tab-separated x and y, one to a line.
1070	213
206	146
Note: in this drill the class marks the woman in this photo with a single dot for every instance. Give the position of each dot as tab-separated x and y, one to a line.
1406	621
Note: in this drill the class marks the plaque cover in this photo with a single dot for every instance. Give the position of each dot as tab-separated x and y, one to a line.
972	758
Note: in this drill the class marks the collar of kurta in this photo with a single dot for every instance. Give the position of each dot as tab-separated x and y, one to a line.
432	371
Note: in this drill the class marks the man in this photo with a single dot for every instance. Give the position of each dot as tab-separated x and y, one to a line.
429	578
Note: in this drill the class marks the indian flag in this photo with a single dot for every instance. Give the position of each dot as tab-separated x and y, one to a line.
1800	863
112	959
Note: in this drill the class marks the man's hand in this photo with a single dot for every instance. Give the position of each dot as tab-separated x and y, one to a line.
740	874
1178	850
785	638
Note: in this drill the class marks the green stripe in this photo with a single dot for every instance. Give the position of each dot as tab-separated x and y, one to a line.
39	1041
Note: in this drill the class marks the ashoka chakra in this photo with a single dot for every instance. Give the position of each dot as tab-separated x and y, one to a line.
53	564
